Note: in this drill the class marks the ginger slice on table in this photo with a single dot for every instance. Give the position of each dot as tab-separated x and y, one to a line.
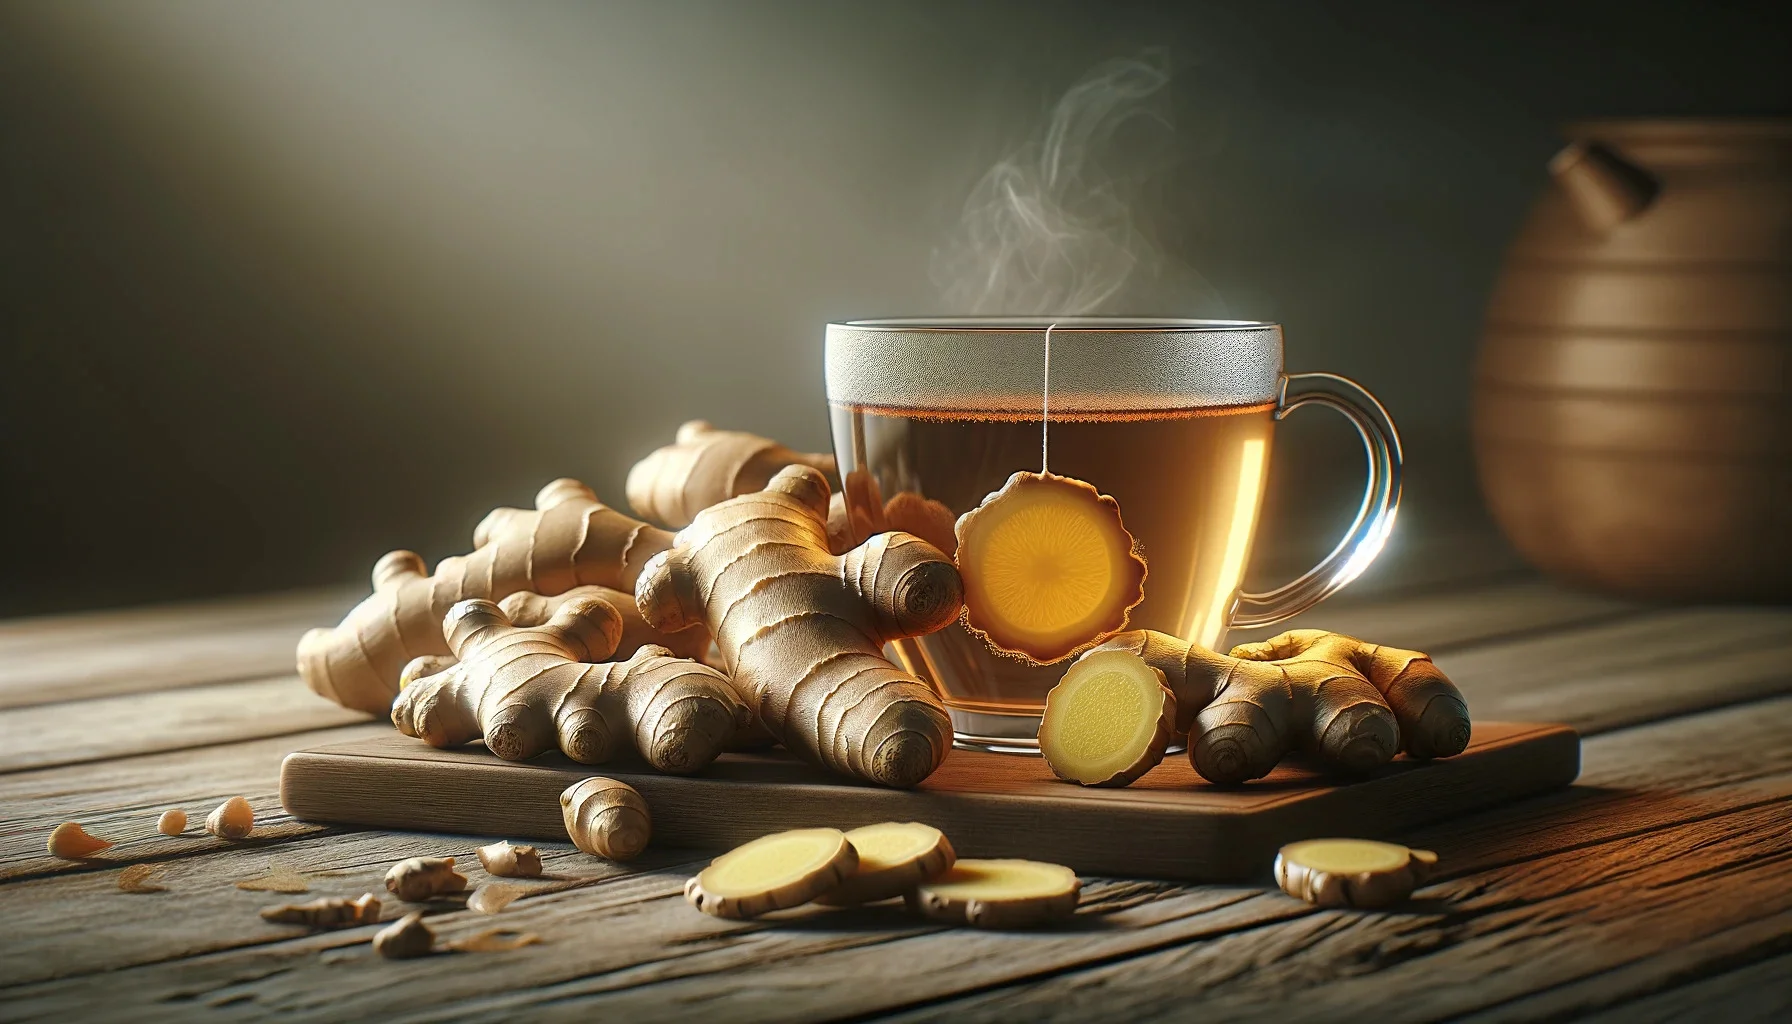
999	893
893	857
1049	568
1108	721
1351	704
1352	872
773	872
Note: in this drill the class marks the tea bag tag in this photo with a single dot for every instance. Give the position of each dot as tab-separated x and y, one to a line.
1049	568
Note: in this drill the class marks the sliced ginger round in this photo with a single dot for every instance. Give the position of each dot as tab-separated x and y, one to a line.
1049	569
893	857
998	893
1351	872
1108	721
773	872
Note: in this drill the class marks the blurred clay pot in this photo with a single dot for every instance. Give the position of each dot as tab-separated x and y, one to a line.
1633	394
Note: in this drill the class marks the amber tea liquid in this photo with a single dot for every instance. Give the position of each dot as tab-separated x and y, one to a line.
1189	483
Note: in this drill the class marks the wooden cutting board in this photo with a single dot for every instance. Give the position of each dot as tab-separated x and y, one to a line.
1170	824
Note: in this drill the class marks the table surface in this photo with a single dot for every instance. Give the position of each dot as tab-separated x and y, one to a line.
1655	888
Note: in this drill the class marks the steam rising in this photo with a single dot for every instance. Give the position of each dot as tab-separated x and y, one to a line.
1050	228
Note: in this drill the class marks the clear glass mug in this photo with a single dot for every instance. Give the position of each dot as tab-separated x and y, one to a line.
1173	418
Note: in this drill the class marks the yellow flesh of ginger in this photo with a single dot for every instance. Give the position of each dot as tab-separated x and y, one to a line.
1048	567
1347	856
1104	718
891	844
1002	880
772	862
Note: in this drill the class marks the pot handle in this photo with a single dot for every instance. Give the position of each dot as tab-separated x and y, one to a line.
1374	519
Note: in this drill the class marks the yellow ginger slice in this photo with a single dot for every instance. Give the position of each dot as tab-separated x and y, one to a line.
1108	721
1352	872
893	857
1049	569
998	893
773	872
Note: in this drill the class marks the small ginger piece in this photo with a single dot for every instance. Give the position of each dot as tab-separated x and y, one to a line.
773	872
1049	568
705	466
893	858
528	690
606	818
511	861
172	822
71	842
1352	872
492	899
1353	705
803	630
1108	721
419	878
998	893
329	912
232	819
406	938
135	879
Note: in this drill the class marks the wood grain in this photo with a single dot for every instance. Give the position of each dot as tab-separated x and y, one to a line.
142	723
1762	991
992	805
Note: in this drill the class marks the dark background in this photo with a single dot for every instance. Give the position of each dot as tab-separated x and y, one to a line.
284	286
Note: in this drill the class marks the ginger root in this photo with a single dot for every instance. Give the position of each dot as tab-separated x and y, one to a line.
232	819
525	608
329	912
1049	569
781	870
71	842
893	858
511	861
705	467
527	689
569	540
606	818
405	938
1352	872
1351	704
416	879
998	893
802	631
1108	721
172	822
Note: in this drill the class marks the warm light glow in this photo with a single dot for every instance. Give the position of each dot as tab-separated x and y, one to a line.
1238	542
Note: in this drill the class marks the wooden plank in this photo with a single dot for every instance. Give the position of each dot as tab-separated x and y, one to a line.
992	805
98	654
602	942
121	799
1762	991
108	727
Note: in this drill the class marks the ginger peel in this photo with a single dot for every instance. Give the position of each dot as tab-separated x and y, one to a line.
1351	704
606	818
528	690
1049	568
705	466
1352	872
70	841
232	819
416	879
802	630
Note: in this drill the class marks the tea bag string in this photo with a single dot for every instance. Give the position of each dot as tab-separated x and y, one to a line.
1045	406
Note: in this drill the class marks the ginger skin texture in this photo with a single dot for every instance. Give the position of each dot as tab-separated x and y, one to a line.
528	690
706	466
606	818
1351	704
419	878
329	912
529	609
801	631
570	539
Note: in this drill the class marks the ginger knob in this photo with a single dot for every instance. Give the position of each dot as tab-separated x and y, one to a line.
606	818
71	842
405	938
511	861
172	822
233	819
419	878
329	912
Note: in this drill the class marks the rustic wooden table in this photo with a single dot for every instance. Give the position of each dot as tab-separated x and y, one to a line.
1659	887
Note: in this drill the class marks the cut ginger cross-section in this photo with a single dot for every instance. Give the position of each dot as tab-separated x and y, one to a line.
1049	569
1108	721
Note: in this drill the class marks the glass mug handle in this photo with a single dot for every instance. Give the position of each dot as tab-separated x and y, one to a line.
1374	520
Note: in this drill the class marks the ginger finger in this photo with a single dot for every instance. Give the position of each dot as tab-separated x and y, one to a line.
998	893
802	630
893	858
706	466
526	608
527	690
781	870
1108	721
329	912
1049	568
1352	872
606	818
71	842
419	878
